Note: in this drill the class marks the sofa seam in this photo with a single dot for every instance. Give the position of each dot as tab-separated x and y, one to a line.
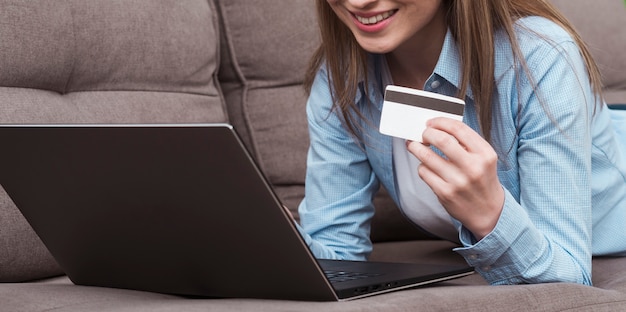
118	90
245	84
218	58
73	53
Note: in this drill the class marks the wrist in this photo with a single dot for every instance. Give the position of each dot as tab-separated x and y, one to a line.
486	223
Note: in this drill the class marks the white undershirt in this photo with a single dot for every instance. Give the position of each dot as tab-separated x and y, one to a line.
417	201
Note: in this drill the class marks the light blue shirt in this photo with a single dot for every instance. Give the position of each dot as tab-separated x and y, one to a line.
560	166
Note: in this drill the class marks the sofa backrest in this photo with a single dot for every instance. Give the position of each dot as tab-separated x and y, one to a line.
115	61
602	24
266	46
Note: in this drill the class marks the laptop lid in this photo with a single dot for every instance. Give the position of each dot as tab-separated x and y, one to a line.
179	209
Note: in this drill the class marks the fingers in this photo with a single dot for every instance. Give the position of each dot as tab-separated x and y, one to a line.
465	177
436	169
431	178
465	135
466	153
288	211
454	139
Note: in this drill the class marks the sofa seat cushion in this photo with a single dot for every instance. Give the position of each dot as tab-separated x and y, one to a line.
465	294
75	61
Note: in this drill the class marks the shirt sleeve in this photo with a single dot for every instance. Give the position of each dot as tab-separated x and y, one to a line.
545	234
336	212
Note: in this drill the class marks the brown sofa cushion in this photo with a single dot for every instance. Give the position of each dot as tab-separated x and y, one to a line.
261	72
262	67
601	24
75	61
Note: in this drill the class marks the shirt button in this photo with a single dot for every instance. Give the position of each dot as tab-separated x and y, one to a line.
435	84
473	257
486	268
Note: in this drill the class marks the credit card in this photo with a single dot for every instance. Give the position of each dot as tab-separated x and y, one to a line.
406	110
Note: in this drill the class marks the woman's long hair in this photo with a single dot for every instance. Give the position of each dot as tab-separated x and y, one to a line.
473	24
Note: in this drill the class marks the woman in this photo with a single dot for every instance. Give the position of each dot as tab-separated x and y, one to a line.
532	183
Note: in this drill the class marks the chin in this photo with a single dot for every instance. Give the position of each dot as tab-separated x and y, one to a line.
377	49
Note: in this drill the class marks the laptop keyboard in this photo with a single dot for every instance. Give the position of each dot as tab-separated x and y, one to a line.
344	276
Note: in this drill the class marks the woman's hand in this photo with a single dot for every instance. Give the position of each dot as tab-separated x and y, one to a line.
466	180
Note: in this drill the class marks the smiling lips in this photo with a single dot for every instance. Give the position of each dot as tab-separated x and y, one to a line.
374	19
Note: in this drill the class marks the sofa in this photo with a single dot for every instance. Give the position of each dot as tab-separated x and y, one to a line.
241	62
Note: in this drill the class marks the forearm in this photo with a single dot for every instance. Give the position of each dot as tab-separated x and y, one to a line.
337	208
337	225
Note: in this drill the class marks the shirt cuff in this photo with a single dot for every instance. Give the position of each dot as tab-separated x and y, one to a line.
506	252
317	249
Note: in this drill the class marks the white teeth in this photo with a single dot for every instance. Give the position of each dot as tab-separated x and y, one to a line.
374	19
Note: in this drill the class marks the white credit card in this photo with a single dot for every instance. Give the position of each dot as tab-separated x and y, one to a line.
406	110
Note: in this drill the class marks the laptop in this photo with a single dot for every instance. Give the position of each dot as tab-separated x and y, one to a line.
178	209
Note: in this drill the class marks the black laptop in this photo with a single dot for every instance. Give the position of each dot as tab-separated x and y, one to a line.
177	209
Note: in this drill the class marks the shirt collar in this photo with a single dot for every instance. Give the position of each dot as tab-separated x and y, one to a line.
449	64
448	67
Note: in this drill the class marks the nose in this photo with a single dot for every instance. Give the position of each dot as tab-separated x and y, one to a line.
361	4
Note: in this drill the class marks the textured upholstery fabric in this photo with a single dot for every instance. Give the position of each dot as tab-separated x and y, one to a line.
261	72
88	61
603	30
